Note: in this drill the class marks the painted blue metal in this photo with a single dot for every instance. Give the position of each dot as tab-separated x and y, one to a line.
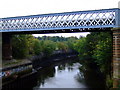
117	18
107	18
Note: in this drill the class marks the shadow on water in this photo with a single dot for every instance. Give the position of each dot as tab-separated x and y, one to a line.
62	74
67	74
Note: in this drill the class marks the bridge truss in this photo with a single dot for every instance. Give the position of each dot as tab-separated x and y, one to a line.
106	18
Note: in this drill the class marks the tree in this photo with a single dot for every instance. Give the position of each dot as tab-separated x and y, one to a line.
103	52
80	46
71	41
48	47
21	45
37	47
62	46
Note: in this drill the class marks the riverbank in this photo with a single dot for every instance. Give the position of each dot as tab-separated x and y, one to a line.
43	60
14	62
18	77
11	67
35	62
60	74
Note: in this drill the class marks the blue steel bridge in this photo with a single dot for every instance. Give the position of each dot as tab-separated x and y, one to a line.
106	18
80	21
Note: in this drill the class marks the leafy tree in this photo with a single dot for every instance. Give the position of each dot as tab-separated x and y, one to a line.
103	52
48	47
37	48
81	47
62	46
97	48
21	45
71	41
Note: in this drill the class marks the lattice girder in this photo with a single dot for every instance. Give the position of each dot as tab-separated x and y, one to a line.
70	20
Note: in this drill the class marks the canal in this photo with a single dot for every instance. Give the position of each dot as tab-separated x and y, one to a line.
68	74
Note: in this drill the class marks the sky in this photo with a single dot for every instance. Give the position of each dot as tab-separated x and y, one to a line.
64	34
12	8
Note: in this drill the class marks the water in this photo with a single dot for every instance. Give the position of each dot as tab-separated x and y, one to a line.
64	78
63	74
67	75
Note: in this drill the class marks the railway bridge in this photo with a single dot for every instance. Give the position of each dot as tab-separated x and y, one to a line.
80	21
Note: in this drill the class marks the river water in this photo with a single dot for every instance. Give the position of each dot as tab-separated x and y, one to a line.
67	74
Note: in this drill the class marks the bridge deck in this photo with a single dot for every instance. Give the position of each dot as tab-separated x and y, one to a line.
107	18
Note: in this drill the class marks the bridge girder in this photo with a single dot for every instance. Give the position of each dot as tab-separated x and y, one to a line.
106	18
95	20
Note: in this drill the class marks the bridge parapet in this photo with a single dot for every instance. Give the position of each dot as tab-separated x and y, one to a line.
107	18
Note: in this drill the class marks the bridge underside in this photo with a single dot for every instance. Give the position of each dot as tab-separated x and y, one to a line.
62	31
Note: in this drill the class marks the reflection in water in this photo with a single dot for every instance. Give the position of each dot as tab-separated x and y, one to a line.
67	75
64	74
61	76
45	74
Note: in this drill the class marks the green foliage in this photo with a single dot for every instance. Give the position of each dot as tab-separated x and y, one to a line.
62	46
21	45
25	45
109	81
48	47
103	52
37	47
56	38
71	41
97	48
80	46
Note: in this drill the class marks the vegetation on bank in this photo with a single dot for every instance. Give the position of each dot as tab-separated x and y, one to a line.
95	48
26	45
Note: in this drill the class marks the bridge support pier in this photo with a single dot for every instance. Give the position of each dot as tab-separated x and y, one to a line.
6	46
116	58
